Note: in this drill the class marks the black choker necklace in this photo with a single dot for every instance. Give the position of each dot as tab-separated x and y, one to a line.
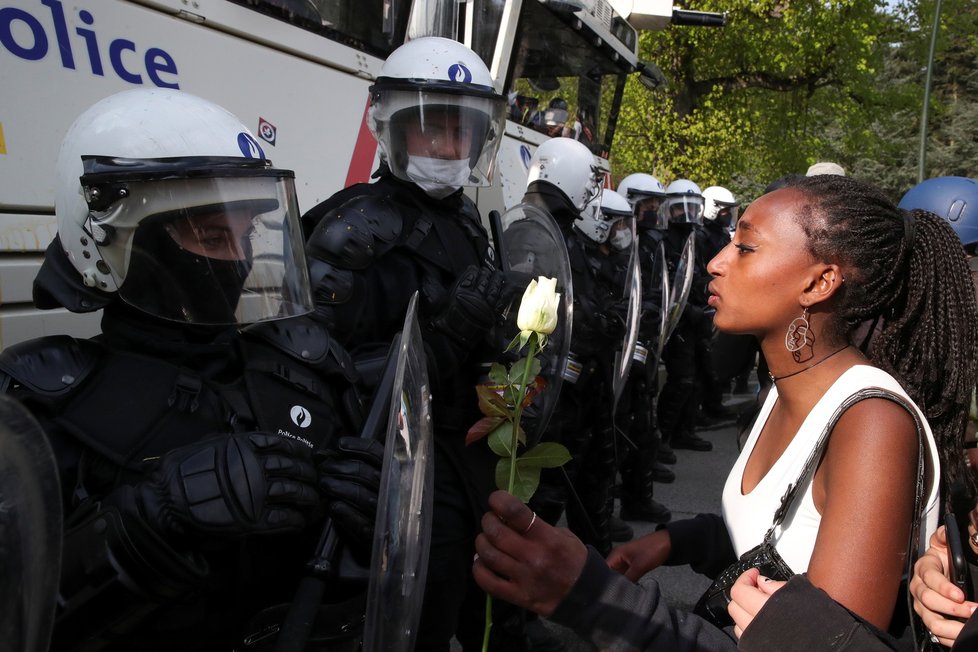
811	366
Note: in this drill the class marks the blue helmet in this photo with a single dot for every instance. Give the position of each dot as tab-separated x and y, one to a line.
953	198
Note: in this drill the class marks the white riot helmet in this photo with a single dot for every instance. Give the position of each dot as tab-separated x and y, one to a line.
683	203
645	193
617	213
436	96
596	226
166	201
719	203
570	166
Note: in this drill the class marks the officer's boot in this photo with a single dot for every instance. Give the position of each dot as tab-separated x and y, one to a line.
637	503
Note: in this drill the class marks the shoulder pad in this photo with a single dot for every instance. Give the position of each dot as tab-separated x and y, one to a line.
50	366
352	235
307	340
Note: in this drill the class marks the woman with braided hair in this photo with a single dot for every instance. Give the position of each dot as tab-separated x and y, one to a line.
864	435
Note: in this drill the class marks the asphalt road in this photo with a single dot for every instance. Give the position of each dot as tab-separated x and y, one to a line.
699	483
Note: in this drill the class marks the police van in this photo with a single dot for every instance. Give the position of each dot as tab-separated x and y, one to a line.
297	73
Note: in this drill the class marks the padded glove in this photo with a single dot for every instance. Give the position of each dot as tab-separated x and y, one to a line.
349	476
473	306
231	486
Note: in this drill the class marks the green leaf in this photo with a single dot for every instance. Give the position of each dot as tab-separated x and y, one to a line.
545	455
497	373
526	482
501	439
481	428
491	404
516	372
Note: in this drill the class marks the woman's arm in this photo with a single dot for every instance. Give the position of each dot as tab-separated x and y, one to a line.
864	490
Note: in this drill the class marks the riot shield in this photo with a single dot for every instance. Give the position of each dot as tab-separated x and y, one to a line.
530	244
659	280
30	531
399	562
633	295
681	284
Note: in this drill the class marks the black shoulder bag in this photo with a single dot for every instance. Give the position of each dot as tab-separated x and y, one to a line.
712	605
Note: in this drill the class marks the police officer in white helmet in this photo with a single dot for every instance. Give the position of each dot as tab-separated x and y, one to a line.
438	121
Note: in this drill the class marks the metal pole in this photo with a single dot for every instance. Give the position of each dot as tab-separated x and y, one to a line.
922	157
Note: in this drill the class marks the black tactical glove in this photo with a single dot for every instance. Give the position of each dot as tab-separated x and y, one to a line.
231	486
349	475
473	306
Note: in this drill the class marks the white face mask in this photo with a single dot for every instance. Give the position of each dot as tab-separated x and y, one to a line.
451	175
621	239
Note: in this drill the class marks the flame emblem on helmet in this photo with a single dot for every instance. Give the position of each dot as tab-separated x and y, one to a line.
300	416
249	146
457	72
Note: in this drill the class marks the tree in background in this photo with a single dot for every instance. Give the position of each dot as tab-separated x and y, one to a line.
790	82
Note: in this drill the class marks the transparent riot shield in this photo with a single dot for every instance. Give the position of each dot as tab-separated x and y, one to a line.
659	281
681	284
633	295
399	561
30	531
529	244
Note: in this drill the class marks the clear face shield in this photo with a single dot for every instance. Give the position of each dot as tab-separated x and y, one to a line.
209	251
439	138
682	209
646	209
727	214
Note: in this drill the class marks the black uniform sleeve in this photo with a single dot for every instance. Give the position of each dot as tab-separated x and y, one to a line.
702	542
617	614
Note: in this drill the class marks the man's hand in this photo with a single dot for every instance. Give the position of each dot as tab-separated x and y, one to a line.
637	557
231	485
349	475
523	560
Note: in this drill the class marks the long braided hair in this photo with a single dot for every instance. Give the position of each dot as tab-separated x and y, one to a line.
908	270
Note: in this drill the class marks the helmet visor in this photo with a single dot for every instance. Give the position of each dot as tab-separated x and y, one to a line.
647	214
212	251
683	209
462	132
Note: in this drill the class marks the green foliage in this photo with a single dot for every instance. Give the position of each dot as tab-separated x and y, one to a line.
790	82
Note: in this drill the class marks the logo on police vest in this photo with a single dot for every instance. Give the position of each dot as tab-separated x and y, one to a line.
300	416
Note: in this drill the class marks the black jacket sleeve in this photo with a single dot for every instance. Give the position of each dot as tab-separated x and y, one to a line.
616	614
702	542
800	616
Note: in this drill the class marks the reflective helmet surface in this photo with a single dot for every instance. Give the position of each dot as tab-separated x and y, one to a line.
570	166
720	203
617	212
646	194
953	198
597	225
436	116
166	200
683	203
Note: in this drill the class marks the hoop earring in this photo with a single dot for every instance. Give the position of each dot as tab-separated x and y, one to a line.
799	333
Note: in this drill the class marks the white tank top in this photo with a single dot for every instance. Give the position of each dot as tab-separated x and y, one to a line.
749	516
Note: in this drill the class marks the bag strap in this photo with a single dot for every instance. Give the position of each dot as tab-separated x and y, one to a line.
813	458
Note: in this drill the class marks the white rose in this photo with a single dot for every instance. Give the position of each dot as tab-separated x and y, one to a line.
538	309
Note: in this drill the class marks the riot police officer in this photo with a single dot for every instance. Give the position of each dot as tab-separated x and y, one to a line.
679	400
565	181
191	453
437	120
720	211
